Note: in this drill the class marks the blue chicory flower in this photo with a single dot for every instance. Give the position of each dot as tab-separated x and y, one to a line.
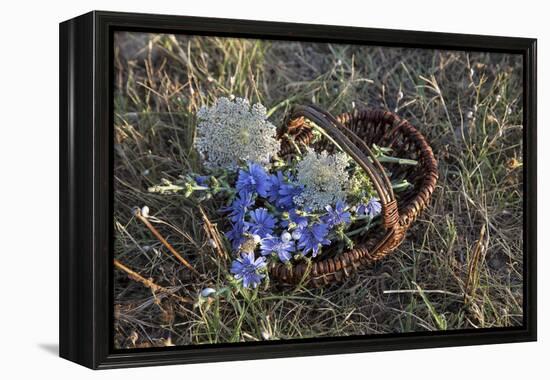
298	221
273	244
247	268
281	193
240	206
312	238
202	180
261	222
236	234
287	192
255	179
275	182
371	209
337	215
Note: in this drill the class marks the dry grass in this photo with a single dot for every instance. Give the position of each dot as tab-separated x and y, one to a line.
461	265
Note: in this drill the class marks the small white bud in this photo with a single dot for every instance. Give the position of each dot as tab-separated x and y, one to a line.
145	211
257	238
296	234
206	292
286	236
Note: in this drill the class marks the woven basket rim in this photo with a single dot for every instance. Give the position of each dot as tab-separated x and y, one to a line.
322	271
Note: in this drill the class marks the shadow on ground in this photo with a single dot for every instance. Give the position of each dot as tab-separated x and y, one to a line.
51	348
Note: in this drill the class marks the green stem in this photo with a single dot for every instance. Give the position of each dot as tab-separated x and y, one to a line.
362	229
324	133
293	142
397	186
396	160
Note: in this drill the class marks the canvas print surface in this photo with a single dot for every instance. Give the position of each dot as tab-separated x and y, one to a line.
280	190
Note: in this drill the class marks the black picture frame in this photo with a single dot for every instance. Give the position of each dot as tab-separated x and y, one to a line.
86	160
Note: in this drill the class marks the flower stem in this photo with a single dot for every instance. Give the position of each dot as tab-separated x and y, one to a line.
396	160
362	229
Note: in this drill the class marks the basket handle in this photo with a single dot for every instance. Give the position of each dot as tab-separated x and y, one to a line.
356	149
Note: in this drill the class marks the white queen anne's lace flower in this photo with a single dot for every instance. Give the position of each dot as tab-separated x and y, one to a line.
232	132
324	178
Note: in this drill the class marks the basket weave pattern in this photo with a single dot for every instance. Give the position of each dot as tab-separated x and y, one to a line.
355	132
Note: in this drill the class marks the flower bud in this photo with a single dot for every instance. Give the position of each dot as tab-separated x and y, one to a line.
206	292
145	211
286	236
257	238
296	234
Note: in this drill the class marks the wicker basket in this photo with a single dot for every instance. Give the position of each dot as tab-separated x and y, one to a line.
355	132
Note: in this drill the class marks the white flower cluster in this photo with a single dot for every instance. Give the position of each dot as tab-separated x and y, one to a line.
232	132
324	178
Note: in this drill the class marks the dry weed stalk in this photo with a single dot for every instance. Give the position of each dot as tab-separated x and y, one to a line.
149	283
213	234
474	267
157	234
